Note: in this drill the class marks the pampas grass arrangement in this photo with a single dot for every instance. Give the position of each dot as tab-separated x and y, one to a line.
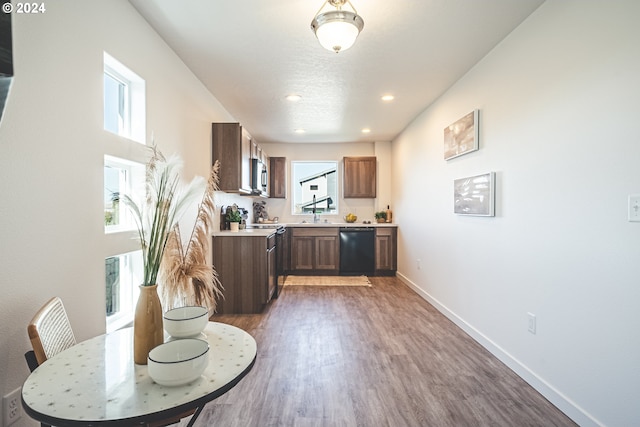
186	276
181	271
163	205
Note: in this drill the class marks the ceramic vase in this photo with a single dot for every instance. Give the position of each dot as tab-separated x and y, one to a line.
235	226
148	332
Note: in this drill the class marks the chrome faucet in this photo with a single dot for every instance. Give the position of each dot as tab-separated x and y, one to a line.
316	218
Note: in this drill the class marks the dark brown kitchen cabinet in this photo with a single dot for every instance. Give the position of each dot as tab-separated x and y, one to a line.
277	177
315	250
232	145
246	267
360	177
386	250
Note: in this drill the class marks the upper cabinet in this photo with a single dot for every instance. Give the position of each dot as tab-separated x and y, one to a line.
232	145
244	166
277	177
360	177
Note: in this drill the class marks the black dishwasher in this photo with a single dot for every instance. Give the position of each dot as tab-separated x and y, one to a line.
357	249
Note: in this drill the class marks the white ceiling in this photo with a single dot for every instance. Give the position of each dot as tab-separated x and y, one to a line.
252	53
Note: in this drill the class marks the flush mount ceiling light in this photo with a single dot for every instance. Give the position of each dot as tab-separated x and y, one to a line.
338	29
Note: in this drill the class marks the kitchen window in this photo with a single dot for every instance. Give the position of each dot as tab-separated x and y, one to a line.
314	178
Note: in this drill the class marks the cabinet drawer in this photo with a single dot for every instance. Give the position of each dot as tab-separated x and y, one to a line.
385	231
314	231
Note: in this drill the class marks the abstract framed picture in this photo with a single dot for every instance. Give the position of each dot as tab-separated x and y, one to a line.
475	195
461	137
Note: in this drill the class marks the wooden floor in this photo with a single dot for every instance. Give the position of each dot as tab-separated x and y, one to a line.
371	356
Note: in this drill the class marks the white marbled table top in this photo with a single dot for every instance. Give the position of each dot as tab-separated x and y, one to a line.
96	381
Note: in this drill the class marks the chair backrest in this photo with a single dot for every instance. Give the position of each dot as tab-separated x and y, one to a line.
50	331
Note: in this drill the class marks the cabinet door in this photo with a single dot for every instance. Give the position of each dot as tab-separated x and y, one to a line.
245	185
326	253
245	289
360	177
232	147
386	249
277	178
302	252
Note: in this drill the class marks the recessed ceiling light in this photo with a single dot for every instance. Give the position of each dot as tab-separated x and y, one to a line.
366	130
387	97
293	97
299	131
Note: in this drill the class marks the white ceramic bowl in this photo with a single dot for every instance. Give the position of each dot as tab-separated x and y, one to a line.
178	362
186	322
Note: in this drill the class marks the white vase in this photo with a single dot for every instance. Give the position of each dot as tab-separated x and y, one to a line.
235	226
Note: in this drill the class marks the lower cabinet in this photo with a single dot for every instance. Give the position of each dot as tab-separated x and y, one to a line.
386	250
246	267
315	250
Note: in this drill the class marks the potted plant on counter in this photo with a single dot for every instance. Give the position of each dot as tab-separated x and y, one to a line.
234	217
381	216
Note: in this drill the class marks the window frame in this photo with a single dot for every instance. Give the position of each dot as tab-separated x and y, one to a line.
130	269
321	205
134	120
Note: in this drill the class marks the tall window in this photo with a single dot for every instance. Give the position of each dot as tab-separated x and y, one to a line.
315	185
124	101
124	117
122	271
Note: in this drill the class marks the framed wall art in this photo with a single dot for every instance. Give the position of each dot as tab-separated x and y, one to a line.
475	195
461	137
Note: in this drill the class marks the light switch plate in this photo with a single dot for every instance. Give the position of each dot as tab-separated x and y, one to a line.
634	207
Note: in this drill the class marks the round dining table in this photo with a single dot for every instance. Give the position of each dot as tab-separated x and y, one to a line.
96	382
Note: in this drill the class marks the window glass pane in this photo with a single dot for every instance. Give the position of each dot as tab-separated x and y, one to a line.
120	177
114	105
112	278
112	191
319	179
123	273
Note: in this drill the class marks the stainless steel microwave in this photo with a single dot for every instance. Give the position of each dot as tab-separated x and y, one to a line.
259	178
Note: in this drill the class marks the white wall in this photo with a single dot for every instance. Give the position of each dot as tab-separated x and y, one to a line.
558	103
51	158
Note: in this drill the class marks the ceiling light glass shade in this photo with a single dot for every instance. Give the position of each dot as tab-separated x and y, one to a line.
337	30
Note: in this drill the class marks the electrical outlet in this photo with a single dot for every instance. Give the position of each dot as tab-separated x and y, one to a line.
11	407
532	322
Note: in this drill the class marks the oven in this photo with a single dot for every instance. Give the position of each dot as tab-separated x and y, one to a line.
281	251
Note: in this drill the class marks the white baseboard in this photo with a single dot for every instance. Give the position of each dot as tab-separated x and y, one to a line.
562	402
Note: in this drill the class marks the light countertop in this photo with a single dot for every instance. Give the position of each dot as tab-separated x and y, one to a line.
269	231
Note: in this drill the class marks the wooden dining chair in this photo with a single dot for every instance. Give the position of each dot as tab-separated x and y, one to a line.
50	331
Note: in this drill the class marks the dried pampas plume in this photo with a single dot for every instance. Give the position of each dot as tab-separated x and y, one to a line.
186	277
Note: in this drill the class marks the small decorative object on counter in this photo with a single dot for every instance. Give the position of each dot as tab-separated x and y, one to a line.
260	213
381	216
389	214
351	217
